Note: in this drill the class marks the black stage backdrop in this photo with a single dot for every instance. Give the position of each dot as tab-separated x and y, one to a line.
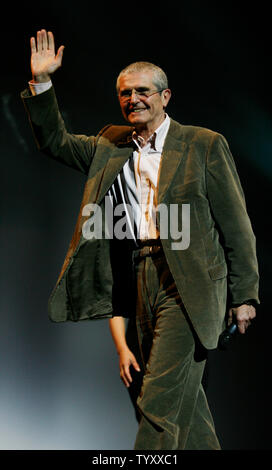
60	386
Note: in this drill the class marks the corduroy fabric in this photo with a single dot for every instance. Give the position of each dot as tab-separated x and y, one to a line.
218	268
172	403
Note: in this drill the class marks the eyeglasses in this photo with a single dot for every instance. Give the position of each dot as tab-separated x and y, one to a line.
125	95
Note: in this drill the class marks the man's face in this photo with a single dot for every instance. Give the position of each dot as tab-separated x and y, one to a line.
140	110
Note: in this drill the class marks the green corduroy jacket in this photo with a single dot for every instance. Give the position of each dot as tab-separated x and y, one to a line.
197	168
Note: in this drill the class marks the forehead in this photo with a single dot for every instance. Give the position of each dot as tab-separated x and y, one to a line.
136	80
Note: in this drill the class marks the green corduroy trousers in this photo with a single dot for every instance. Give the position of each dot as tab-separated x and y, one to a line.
174	413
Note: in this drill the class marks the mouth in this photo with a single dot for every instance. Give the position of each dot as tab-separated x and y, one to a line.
136	110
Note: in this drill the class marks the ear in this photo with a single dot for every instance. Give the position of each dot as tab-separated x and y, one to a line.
165	96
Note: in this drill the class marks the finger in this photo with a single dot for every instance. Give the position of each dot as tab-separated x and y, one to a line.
252	313
245	315
51	42
33	45
124	379
39	41
127	374
242	314
60	54
241	327
44	40
247	324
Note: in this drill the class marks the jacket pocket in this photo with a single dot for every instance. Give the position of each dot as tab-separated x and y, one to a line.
218	271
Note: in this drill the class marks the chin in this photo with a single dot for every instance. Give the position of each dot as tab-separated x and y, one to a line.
136	119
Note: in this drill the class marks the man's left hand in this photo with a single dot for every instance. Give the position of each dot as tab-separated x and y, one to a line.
243	316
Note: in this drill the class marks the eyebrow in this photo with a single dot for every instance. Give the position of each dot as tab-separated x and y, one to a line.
141	88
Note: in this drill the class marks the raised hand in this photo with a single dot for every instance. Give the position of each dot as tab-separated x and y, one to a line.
44	61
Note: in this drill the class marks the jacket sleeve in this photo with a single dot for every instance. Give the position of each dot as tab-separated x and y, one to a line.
51	136
229	211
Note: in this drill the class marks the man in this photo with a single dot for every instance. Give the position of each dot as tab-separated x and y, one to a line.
177	295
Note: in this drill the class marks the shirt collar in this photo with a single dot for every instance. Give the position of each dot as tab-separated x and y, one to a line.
156	140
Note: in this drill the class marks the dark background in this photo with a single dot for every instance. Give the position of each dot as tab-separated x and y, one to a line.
59	383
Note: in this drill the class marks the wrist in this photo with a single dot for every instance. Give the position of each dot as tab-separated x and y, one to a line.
122	348
245	302
41	78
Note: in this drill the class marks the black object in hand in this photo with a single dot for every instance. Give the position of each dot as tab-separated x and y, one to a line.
227	336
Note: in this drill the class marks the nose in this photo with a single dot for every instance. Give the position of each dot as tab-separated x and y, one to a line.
134	98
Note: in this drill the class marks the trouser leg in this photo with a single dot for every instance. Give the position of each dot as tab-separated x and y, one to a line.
202	434
173	410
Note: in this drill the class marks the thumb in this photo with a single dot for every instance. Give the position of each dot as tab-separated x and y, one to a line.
135	364
60	54
230	317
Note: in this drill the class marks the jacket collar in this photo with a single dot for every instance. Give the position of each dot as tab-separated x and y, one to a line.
172	152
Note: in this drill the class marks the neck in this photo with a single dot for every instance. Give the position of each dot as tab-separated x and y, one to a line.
146	130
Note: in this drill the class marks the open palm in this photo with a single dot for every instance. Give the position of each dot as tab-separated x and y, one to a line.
44	61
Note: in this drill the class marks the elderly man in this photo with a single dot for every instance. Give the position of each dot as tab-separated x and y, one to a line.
176	293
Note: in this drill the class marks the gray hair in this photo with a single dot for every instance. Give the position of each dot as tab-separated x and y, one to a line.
160	80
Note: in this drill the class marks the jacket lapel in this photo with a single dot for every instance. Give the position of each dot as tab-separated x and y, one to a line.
172	153
119	155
